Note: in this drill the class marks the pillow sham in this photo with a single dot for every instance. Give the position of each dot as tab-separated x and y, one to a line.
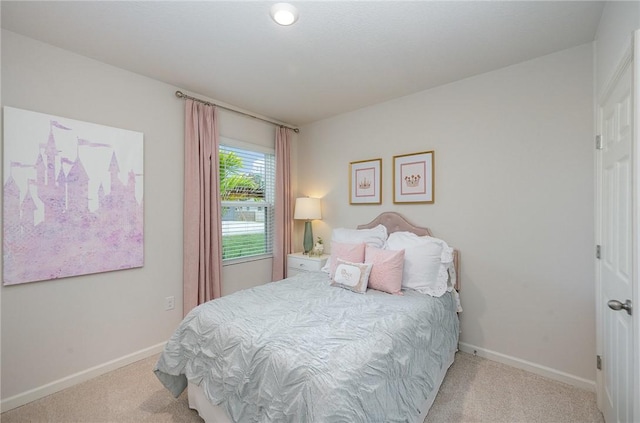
427	262
386	273
447	272
353	253
351	276
375	237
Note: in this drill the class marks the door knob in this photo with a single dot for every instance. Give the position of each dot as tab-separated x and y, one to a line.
617	305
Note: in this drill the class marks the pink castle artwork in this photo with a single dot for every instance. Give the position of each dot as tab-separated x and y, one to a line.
72	198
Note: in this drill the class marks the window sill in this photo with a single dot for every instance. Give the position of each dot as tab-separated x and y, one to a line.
241	260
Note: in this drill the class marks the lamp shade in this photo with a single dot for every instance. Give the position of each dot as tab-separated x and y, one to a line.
307	209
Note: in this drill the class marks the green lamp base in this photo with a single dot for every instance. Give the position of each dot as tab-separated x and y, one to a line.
308	237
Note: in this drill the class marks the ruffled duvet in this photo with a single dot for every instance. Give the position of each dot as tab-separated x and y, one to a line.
300	350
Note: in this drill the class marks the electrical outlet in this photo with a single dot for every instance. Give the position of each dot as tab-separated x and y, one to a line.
169	303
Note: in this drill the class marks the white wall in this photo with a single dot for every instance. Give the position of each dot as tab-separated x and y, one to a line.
514	173
77	327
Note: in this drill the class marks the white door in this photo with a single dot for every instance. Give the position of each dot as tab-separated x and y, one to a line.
616	274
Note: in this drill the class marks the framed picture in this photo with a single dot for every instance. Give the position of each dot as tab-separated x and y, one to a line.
364	182
413	178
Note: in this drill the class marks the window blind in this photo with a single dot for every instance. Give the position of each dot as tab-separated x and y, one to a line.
247	189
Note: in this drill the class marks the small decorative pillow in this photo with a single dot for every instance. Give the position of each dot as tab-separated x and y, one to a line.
353	253
386	273
352	276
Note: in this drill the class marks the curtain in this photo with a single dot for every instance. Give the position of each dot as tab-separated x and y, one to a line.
283	204
202	256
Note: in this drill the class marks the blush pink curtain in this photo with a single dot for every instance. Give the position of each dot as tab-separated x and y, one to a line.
283	204
202	260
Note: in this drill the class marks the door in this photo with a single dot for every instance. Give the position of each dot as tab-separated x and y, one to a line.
616	266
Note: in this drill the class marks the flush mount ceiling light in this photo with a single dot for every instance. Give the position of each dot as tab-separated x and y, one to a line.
284	14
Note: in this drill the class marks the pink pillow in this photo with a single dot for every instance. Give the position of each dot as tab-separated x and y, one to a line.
386	274
353	253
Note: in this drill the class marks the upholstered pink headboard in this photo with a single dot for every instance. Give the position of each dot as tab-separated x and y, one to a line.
395	222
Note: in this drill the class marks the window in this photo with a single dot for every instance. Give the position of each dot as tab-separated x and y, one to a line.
247	190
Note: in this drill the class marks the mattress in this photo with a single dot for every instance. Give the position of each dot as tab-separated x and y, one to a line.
299	350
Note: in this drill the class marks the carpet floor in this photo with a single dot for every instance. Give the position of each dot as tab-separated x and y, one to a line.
475	390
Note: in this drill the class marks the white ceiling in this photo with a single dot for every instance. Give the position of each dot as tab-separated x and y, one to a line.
338	57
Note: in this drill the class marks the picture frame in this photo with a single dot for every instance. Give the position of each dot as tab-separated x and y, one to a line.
413	178
365	178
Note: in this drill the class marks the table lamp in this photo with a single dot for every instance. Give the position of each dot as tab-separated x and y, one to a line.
307	209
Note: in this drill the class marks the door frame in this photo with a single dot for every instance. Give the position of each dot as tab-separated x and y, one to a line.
630	58
636	220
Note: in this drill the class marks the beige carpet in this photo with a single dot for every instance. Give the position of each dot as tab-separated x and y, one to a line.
475	390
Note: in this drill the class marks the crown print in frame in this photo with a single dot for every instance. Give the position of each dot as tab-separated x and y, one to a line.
364	182
413	178
73	198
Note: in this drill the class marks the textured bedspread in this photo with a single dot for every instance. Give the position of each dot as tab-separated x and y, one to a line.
299	350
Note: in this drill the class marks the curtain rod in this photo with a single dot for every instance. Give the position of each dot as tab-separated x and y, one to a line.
180	94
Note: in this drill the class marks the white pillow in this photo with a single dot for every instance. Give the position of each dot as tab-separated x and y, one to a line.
374	237
447	272
426	262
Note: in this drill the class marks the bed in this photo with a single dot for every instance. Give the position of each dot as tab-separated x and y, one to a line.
301	350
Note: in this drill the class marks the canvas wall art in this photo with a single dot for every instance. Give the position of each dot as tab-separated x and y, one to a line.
73	197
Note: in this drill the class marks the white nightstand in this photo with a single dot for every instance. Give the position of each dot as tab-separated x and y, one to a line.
298	262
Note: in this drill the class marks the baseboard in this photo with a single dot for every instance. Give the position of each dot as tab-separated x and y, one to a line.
66	382
538	369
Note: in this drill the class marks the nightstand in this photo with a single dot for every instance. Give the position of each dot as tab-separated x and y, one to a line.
298	262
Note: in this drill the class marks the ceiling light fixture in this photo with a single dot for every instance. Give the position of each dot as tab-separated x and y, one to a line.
284	14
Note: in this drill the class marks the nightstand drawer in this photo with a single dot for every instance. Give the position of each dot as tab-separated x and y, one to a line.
298	262
304	264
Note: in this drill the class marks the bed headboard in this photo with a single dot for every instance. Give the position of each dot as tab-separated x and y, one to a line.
395	222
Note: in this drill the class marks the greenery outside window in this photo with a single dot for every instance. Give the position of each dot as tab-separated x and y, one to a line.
247	191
